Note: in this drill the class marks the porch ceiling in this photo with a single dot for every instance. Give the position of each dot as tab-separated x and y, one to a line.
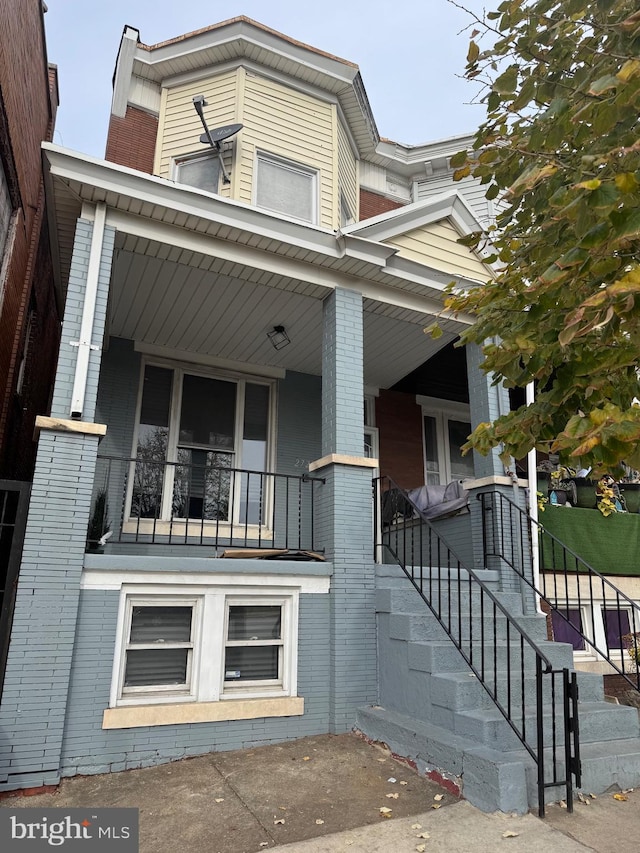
203	306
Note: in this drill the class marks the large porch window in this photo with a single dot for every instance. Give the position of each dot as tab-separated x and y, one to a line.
194	432
446	426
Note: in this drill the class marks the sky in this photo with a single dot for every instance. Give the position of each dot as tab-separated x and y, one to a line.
411	55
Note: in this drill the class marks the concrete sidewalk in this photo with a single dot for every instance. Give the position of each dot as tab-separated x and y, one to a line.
324	794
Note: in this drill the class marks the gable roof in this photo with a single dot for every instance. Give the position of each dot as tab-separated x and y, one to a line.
449	205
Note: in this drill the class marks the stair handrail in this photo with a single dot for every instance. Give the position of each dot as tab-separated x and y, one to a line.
544	666
583	570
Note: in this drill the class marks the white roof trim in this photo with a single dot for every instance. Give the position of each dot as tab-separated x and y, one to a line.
124	70
450	205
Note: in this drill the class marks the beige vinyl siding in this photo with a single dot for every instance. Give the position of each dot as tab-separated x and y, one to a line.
436	246
293	125
181	126
347	172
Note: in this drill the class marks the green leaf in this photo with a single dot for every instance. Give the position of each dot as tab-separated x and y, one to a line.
603	84
506	83
474	52
605	196
626	223
458	159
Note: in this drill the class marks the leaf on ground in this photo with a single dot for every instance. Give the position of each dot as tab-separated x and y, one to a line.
306	758
423	835
264	844
593	796
319	821
392	779
278	820
436	806
219	800
562	804
392	796
510	834
385	812
403	782
621	797
416	826
438	797
421	848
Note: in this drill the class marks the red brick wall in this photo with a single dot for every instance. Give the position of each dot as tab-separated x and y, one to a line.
27	86
132	140
399	421
372	204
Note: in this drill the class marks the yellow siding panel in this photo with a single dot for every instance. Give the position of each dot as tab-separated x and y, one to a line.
436	246
347	172
181	126
291	124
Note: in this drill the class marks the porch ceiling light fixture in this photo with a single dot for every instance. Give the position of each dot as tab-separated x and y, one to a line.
279	337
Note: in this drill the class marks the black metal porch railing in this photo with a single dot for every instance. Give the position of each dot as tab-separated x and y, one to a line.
498	651
570	586
147	502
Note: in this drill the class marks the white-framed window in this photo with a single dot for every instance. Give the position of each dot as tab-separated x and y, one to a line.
286	187
205	646
194	431
446	426
159	641
371	443
201	170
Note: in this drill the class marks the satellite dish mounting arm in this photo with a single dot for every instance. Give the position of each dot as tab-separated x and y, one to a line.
210	138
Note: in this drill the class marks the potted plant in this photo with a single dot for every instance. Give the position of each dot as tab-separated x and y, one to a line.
562	488
608	496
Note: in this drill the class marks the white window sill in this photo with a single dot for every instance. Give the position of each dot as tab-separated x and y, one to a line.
197	528
201	712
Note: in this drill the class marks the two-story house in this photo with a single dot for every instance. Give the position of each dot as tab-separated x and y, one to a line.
249	275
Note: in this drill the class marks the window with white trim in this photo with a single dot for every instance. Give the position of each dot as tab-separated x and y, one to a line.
200	170
206	647
286	187
445	428
371	444
194	431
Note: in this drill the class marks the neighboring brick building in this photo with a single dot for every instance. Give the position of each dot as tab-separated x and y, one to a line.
29	304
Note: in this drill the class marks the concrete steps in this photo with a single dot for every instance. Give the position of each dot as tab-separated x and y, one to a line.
433	707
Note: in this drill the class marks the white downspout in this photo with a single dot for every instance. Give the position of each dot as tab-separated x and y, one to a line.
88	313
532	474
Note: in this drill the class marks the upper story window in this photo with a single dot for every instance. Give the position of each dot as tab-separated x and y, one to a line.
286	187
199	170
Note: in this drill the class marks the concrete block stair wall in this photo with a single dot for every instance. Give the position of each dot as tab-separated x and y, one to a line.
434	710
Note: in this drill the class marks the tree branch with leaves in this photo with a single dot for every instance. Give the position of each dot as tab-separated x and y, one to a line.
560	152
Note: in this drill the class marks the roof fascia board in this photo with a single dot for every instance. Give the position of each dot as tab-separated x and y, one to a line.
352	142
160	192
241	31
124	71
419	214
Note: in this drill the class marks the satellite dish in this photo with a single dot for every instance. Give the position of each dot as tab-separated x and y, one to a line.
220	134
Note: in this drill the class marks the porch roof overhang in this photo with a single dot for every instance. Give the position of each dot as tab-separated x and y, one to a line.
188	228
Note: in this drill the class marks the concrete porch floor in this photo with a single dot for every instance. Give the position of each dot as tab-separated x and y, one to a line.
323	794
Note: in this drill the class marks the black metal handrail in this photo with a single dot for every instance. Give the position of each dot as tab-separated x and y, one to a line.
142	501
441	579
500	518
